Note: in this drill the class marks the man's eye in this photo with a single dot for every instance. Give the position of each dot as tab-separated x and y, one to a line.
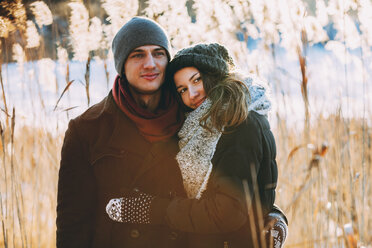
159	54
137	55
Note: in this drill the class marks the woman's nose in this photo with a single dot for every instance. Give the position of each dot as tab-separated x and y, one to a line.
193	92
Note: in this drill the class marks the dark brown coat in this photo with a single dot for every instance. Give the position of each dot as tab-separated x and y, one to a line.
102	155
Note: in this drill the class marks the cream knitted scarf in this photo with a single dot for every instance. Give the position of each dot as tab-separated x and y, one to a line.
197	145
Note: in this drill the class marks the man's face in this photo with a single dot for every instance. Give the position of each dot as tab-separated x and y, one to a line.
145	68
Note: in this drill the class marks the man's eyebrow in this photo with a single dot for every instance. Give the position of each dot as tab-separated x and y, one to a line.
137	50
159	49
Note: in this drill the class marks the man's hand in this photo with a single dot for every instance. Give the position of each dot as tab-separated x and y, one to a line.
133	209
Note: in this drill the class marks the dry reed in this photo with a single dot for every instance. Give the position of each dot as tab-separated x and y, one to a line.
324	178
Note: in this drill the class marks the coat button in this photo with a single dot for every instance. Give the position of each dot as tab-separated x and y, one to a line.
134	233
173	235
172	194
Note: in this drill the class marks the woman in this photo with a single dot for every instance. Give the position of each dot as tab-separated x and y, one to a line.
227	159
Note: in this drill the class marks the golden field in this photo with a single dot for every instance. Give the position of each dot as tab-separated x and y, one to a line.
324	153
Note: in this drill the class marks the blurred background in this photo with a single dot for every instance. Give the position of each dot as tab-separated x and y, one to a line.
315	55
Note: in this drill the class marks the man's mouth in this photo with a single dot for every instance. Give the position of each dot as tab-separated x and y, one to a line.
150	76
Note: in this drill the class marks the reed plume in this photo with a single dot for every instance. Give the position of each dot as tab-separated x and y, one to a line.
78	27
17	11
6	26
33	37
119	12
42	13
19	55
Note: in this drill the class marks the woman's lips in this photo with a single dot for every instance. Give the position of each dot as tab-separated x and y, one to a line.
198	103
150	76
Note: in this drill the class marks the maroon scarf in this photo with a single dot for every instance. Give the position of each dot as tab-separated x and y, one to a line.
153	126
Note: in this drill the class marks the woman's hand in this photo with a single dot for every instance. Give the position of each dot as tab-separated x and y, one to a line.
276	231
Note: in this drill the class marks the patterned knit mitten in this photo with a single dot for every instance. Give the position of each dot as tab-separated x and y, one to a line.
131	209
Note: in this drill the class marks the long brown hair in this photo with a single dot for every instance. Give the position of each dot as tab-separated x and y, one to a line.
226	90
228	95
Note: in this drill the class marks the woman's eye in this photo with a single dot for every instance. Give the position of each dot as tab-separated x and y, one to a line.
181	91
197	80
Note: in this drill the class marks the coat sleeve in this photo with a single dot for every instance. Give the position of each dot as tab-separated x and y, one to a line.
279	214
222	208
76	194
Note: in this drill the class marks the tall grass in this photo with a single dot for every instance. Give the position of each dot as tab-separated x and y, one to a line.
331	181
28	186
324	166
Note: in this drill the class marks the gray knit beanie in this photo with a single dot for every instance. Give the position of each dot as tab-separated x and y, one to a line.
139	31
212	58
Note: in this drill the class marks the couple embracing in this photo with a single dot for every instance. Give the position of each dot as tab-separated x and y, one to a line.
179	154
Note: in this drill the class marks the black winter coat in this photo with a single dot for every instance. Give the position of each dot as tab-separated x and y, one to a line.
219	218
103	154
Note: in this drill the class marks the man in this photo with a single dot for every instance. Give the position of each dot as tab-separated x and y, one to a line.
127	141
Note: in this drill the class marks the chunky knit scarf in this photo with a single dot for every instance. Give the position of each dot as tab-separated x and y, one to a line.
197	145
152	126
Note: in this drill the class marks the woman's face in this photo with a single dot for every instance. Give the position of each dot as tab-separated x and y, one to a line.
189	85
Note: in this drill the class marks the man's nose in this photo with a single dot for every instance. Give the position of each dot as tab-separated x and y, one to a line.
149	61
